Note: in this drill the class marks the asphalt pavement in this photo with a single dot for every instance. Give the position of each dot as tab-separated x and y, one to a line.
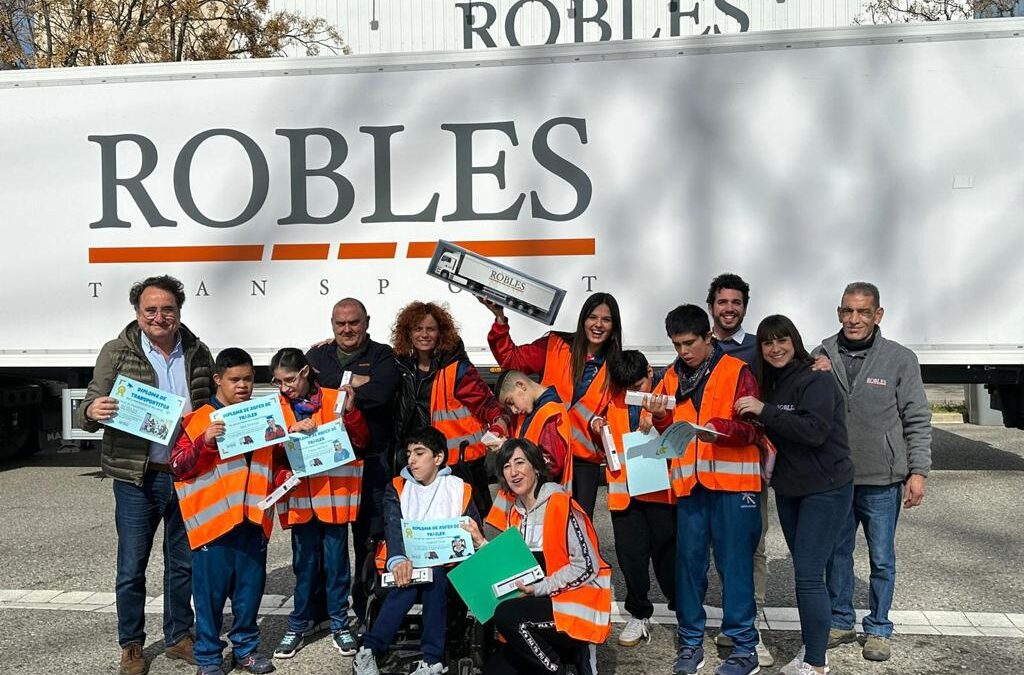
958	556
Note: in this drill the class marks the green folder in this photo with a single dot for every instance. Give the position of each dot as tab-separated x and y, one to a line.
504	556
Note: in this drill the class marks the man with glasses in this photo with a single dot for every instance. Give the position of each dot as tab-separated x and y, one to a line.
157	349
889	428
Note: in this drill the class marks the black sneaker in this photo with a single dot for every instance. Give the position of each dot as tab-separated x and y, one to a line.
253	663
290	645
344	642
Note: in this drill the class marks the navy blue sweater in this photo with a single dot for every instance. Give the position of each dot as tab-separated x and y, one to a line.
805	417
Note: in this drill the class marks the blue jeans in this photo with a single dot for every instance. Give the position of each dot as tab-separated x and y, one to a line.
233	565
877	508
138	511
731	522
320	563
809	525
434	599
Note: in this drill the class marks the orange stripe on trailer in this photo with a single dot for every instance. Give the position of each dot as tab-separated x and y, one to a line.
165	254
367	250
497	248
300	252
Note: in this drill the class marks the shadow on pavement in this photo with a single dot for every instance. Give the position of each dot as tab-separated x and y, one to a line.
951	452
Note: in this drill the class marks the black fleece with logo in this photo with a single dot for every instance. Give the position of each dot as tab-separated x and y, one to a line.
805	417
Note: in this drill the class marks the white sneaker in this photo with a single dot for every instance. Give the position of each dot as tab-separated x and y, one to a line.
422	668
634	631
764	657
799	667
364	663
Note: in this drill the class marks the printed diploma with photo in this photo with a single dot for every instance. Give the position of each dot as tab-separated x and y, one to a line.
250	425
429	543
322	450
145	411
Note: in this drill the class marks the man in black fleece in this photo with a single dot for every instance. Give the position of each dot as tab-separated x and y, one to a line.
375	379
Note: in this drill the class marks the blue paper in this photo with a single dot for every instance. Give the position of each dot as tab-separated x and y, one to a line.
250	425
429	543
145	411
646	462
322	450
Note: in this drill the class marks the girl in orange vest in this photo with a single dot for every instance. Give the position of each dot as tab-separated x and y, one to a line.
576	365
440	387
561	617
319	509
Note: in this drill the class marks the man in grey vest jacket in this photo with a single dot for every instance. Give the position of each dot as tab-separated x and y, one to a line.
889	428
158	350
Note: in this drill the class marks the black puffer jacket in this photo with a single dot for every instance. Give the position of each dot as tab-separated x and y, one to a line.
412	398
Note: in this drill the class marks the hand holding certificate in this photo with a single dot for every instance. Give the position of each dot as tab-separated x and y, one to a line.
250	425
324	449
646	463
145	411
429	543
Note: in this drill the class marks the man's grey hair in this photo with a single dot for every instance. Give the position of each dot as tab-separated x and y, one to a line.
863	288
351	301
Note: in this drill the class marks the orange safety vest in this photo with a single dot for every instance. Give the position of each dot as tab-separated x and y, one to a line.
454	420
617	417
332	496
381	557
558	374
227	494
583	612
716	467
504	499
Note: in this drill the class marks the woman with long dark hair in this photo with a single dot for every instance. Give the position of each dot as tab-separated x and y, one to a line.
805	417
439	386
576	365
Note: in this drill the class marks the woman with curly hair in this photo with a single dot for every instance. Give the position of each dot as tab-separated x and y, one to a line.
440	387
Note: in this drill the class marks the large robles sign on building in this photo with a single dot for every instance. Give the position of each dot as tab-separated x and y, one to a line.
378	26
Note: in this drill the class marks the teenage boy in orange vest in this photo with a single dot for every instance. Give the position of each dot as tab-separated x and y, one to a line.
227	531
716	481
425	490
542	418
645	525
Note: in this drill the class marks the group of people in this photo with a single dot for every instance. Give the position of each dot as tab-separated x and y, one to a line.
848	426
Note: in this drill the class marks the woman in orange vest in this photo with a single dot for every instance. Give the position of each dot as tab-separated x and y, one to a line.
560	618
576	365
440	387
319	509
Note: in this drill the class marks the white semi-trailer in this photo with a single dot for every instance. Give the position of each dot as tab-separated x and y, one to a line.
801	160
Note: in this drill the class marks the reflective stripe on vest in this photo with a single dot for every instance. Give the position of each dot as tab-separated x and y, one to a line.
500	509
227	493
381	556
729	469
332	496
583	612
454	420
617	417
558	373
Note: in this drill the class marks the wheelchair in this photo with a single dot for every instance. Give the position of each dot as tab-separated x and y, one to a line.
468	643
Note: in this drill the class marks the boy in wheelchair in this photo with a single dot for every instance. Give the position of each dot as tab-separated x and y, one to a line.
425	490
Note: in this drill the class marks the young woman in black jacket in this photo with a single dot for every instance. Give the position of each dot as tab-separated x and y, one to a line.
805	417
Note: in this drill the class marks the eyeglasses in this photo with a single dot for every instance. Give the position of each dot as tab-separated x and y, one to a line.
289	381
863	312
151	312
